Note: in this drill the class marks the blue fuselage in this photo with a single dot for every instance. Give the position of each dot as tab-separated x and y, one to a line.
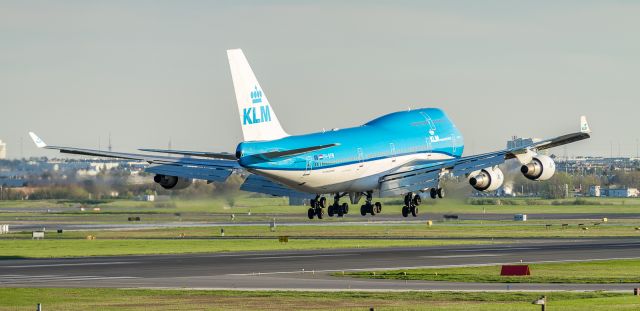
427	130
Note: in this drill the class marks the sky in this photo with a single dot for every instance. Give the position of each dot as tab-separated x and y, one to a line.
150	72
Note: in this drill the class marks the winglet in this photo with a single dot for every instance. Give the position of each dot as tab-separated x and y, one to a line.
584	126
39	143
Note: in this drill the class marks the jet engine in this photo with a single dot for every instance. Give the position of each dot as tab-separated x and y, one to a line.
172	182
488	179
541	167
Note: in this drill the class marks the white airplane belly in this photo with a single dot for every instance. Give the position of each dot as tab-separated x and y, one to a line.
344	178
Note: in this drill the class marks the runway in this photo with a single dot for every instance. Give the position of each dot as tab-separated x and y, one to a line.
309	270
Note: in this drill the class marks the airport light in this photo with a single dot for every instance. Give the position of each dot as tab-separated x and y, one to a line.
542	301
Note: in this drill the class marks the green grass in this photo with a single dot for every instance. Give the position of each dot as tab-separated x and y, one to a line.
609	271
78	248
461	230
129	299
266	205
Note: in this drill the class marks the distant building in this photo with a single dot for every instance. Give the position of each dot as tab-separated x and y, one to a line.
3	150
597	191
517	142
623	193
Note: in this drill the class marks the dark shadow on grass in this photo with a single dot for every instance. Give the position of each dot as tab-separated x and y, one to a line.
9	257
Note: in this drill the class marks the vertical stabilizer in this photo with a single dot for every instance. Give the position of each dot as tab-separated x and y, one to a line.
258	120
584	125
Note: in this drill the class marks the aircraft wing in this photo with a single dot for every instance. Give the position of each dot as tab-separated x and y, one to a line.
419	176
260	184
206	169
204	154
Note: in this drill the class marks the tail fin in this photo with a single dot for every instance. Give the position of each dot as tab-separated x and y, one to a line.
259	121
584	126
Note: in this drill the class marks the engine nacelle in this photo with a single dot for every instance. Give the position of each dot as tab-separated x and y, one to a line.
172	182
541	167
488	179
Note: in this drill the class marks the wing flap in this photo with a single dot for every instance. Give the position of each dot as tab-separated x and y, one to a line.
203	154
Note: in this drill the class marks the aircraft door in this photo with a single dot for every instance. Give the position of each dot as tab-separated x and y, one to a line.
392	149
453	143
309	167
431	132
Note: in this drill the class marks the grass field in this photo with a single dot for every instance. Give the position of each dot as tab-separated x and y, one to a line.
460	230
124	299
78	248
609	271
165	240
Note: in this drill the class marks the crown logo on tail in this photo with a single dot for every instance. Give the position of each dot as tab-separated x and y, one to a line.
256	95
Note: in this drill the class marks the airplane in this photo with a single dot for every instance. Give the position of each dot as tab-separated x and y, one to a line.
404	153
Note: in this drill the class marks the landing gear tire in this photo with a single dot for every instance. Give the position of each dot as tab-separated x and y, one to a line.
440	193
319	212
363	210
414	211
405	211
311	212
343	209
417	200
331	210
433	193
378	207
372	209
322	202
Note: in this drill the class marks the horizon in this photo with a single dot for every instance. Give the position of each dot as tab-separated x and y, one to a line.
150	73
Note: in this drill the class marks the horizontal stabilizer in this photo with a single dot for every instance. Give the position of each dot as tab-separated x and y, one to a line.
214	155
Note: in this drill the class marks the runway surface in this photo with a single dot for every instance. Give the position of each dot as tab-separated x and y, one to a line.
309	270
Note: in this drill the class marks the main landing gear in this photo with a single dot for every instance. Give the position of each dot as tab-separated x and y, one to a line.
317	207
369	208
319	203
412	201
336	208
436	193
